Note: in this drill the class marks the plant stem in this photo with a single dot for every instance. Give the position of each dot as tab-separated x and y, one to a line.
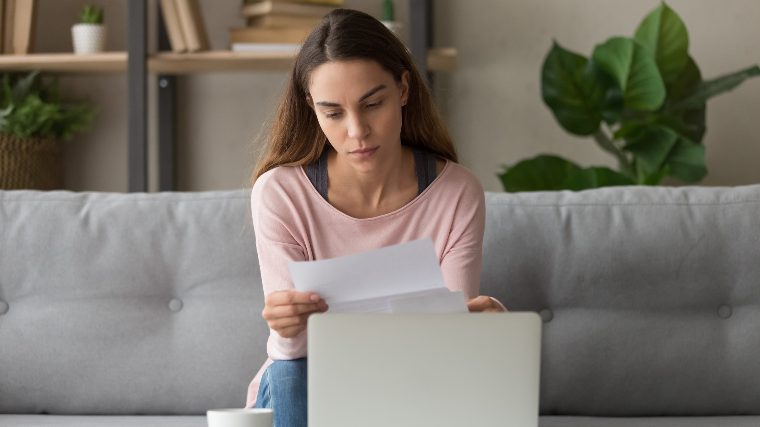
603	139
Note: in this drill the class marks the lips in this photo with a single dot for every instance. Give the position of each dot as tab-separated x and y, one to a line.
363	152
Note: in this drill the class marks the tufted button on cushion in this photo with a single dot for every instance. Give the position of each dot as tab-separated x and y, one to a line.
3	307
725	311
546	315
175	305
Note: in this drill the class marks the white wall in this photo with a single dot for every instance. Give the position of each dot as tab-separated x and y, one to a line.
491	102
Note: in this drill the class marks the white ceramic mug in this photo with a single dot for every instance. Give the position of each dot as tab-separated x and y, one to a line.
249	417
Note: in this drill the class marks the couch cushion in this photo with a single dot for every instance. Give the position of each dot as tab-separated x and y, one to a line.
128	303
101	421
651	296
737	421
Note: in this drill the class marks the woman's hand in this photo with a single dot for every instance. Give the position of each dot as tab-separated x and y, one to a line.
484	304
286	312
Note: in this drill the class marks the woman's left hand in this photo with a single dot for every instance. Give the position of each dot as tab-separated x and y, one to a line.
484	304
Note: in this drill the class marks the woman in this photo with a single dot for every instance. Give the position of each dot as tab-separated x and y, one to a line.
358	158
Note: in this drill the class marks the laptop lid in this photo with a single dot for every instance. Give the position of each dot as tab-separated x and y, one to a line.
380	370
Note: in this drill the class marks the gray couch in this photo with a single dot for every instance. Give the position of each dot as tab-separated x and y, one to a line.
144	309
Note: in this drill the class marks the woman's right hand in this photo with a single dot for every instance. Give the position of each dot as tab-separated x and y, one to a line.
286	312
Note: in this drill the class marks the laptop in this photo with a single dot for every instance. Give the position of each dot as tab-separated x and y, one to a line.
383	370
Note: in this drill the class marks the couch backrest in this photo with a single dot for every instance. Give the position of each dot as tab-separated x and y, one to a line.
649	295
150	303
127	303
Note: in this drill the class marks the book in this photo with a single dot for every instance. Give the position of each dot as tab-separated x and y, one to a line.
173	27
265	7
8	16
280	21
289	48
337	3
191	22
23	26
2	24
268	35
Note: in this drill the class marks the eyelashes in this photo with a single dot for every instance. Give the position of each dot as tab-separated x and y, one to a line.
338	114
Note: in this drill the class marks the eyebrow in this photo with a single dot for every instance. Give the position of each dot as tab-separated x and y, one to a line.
371	92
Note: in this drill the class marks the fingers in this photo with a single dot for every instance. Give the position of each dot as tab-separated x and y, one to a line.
292	310
291	297
288	322
287	312
478	304
483	304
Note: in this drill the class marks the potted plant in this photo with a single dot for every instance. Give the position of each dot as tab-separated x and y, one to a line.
641	98
33	122
89	35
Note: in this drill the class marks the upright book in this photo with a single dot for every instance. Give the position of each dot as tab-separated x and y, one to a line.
23	26
173	27
191	22
8	17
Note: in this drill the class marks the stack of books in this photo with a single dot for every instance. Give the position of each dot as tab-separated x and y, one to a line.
278	25
184	25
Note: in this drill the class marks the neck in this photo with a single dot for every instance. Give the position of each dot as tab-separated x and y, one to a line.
371	188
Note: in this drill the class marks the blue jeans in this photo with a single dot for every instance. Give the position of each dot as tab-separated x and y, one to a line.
283	389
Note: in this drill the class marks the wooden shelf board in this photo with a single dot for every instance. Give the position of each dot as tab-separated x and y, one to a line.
66	62
441	59
219	60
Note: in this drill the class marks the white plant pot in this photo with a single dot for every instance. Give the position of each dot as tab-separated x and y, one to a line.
88	38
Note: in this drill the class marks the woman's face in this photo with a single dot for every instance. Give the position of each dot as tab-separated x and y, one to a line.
358	106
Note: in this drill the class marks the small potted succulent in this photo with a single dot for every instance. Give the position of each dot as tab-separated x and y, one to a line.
89	35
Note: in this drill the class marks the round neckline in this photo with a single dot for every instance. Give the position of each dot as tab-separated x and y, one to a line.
314	193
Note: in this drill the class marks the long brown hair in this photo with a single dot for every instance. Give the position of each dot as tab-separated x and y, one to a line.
295	138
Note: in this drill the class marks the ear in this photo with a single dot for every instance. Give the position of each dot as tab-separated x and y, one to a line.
404	86
309	101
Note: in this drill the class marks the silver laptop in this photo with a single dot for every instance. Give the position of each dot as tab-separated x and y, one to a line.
383	370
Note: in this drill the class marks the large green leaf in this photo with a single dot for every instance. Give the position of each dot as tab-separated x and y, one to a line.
687	161
664	33
687	82
572	91
550	173
635	71
710	88
690	122
650	148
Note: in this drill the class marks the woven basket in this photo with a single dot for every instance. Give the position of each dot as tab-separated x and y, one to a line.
35	163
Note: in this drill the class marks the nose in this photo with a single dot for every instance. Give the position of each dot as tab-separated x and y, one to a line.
358	128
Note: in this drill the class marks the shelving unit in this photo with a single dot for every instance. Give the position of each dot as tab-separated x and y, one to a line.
138	64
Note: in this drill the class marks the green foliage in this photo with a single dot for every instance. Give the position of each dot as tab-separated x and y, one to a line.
91	15
31	107
555	173
641	98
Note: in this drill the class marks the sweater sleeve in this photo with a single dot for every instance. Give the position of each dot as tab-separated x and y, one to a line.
276	246
461	263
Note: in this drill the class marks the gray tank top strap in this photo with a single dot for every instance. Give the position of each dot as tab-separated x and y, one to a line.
317	173
424	167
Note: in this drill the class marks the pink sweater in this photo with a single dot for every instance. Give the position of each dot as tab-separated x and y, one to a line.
293	222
